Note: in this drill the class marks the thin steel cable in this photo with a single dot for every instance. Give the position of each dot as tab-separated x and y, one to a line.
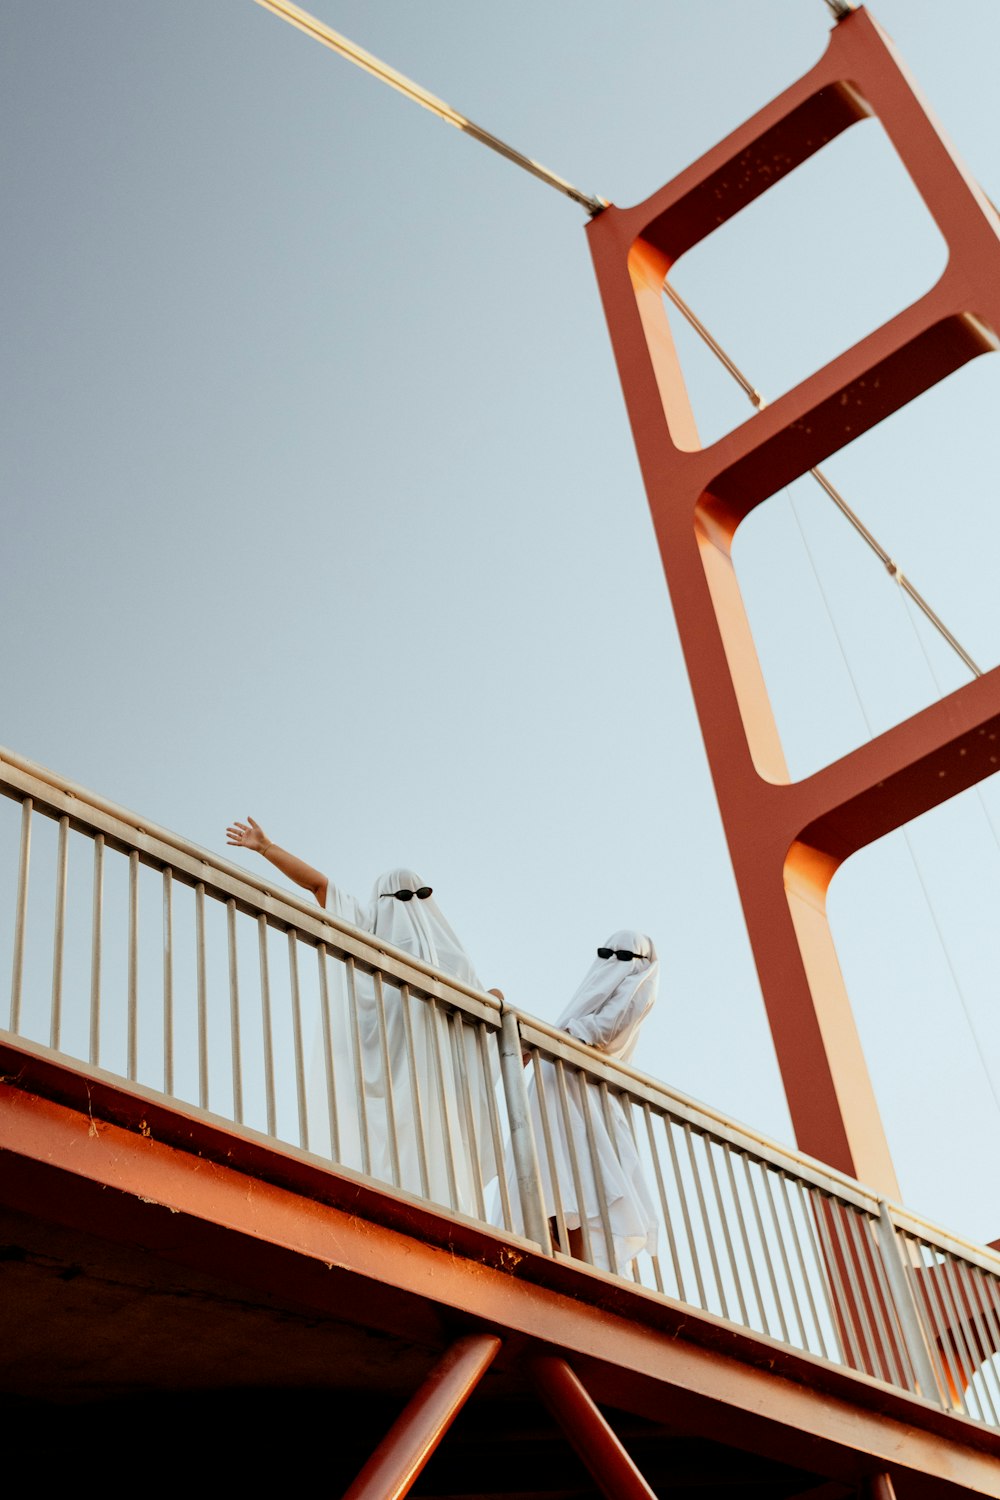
932	670
340	44
888	562
385	74
909	843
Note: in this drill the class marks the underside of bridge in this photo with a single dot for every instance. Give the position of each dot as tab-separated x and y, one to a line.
177	1291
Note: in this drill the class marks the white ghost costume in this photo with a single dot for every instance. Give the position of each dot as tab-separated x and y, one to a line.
606	1012
433	1078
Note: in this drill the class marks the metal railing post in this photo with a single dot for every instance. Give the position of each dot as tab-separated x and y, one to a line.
905	1303
522	1137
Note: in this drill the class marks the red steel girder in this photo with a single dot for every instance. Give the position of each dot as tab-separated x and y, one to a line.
121	1164
403	1453
787	839
591	1435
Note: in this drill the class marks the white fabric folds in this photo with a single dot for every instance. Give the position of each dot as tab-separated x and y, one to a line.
587	1157
423	1092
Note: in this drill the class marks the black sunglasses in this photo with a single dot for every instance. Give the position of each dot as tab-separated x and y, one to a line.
421	895
622	953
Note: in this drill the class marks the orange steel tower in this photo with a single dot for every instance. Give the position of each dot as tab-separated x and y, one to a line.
787	839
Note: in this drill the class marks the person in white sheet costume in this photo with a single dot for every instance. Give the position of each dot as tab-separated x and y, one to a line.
606	1012
430	1101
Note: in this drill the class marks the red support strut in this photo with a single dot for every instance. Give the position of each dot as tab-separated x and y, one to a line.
594	1440
397	1462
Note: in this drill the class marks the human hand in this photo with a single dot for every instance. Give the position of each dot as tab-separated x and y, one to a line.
499	993
248	835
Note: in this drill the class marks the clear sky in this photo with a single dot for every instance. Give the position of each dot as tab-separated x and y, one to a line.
321	502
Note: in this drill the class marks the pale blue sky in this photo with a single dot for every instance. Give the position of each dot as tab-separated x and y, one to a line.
321	502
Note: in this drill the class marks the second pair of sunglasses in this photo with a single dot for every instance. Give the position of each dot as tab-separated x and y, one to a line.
623	953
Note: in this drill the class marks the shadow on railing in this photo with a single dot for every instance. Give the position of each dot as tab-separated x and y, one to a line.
139	953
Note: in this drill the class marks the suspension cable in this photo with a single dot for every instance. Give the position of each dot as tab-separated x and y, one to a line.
594	205
340	44
891	566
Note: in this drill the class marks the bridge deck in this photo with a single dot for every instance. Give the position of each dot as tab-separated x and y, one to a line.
210	1286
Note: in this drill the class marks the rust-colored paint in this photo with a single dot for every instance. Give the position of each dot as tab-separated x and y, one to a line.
787	839
589	1432
191	1191
881	1488
403	1453
967	1318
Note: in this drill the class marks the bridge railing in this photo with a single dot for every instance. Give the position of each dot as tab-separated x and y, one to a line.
136	952
139	953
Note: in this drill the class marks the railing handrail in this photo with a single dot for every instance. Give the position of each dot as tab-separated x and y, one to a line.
915	1224
702	1116
784	1212
163	848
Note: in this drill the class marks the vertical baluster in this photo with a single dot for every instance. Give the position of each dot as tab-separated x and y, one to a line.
586	1101
199	908
789	1277
664	1210
685	1213
964	1311
483	1039
862	1298
985	1291
884	1361
300	1070
419	1124
808	1218
96	930
941	1325
390	1101
981	1290
359	1067
20	917
847	1294
133	964
444	1100
523	1147
562	1094
234	1014
625	1104
803	1267
765	1247
59	934
780	1238
706	1222
265	1020
168	980
328	1061
747	1252
966	1358
538	1067
921	1281
458	1034
724	1221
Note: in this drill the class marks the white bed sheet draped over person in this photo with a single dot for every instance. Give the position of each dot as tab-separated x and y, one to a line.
427	1101
606	1012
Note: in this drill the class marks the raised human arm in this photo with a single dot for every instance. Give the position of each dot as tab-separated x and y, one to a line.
250	835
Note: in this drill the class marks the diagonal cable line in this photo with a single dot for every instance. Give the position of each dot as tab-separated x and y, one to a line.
340	44
386	74
887	561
